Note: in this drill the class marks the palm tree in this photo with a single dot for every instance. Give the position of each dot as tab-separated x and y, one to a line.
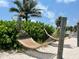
26	9
71	28
75	28
20	12
58	21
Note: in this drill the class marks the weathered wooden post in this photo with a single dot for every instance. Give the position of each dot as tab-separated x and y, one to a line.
61	39
78	34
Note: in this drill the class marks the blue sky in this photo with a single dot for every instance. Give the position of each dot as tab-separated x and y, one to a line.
51	10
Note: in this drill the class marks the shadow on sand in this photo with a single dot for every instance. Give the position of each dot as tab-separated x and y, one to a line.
39	55
65	45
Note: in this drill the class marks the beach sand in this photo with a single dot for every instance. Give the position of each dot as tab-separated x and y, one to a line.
71	51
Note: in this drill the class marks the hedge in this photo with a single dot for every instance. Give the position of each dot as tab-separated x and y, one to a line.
8	32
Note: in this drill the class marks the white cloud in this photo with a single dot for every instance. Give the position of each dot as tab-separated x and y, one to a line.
46	12
66	1
33	20
51	14
4	3
40	5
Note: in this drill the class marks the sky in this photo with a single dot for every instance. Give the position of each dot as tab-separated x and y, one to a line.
51	10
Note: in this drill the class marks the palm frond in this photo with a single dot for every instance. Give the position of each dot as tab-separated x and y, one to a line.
18	3
34	10
36	14
32	4
14	10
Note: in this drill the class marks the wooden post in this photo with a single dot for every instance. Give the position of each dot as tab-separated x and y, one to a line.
78	34
61	39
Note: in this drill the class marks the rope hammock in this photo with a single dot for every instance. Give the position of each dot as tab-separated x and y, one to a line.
50	35
30	43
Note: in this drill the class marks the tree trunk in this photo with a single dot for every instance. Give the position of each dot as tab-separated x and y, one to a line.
26	16
61	39
77	34
19	24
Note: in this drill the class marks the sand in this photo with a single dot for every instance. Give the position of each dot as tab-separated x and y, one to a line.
71	51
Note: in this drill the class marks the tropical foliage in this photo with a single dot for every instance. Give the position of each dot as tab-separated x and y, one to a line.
58	21
70	28
26	8
8	32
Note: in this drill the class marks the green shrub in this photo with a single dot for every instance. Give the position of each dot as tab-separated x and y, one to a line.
36	30
8	35
8	32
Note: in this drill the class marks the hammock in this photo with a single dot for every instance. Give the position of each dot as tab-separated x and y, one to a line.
56	39
30	43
